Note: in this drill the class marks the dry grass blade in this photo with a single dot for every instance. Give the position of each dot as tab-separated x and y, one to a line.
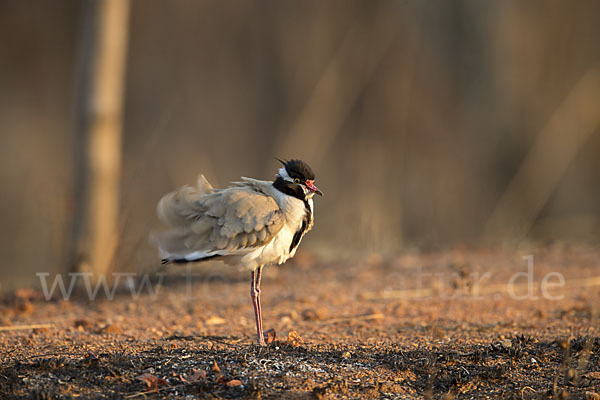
353	318
25	327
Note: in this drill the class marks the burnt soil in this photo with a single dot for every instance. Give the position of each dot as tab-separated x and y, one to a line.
441	324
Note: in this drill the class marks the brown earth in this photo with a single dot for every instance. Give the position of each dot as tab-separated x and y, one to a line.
421	325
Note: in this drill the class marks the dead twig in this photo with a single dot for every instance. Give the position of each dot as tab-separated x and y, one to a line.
24	327
53	355
527	388
353	318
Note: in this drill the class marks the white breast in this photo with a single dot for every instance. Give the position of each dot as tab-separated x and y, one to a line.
292	207
277	251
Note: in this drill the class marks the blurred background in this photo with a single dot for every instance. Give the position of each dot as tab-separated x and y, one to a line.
428	123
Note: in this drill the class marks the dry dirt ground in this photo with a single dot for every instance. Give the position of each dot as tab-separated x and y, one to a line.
443	324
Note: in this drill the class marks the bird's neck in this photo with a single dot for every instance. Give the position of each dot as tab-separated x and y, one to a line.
289	188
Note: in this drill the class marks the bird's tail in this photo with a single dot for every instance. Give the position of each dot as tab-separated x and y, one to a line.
171	247
177	208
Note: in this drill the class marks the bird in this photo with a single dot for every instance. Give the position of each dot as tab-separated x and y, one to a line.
252	223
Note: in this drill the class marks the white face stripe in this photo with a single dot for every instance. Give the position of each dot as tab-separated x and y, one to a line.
283	173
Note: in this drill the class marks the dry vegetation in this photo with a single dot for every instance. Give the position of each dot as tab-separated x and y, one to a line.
428	123
366	330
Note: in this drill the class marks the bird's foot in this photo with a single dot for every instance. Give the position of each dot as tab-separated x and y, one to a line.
260	339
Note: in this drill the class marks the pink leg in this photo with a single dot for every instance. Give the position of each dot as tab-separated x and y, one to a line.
255	295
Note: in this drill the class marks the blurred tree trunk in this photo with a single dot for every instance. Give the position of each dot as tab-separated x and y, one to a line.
99	113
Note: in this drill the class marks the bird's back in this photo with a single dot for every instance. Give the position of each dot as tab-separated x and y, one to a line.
242	223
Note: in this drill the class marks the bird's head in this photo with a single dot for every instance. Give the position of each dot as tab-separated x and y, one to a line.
298	177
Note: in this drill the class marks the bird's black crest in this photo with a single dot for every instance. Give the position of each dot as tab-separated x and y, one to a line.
298	169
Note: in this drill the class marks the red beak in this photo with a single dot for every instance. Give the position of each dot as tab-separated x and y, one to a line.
313	188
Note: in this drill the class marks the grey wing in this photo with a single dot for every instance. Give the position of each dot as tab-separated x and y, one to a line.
227	221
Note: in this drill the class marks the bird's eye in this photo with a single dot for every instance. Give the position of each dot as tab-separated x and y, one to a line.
297	181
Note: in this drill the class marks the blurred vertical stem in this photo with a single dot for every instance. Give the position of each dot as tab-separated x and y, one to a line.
99	113
568	129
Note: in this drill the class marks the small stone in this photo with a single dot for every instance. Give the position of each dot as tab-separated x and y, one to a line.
214	320
111	329
270	335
